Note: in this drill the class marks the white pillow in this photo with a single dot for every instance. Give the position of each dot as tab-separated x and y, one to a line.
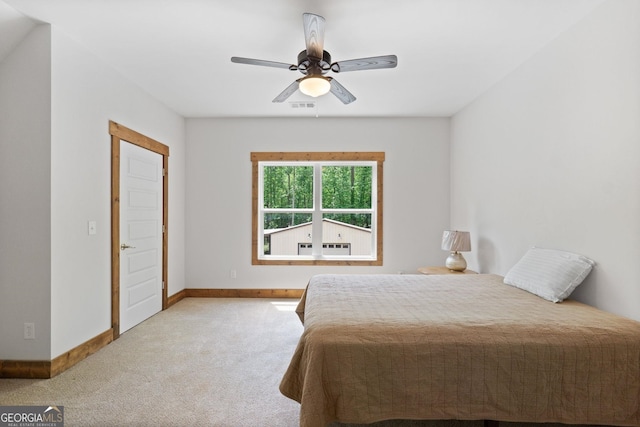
549	273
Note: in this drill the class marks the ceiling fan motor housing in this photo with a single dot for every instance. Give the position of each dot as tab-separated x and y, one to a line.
309	65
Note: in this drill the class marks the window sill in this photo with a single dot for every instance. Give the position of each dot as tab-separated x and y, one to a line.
317	261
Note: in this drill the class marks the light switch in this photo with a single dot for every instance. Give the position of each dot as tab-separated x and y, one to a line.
92	228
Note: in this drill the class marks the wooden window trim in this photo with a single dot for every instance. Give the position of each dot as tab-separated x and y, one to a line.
256	157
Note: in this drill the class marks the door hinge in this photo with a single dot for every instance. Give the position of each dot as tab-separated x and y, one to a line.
164	172
163	284
164	228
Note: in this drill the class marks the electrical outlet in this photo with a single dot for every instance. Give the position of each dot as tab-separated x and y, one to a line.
233	274
29	331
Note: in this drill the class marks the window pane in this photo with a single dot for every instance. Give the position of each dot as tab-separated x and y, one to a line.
288	187
345	187
283	220
283	232
359	220
346	234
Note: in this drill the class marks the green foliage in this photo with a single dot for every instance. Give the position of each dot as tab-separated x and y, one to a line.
288	186
343	187
283	220
359	220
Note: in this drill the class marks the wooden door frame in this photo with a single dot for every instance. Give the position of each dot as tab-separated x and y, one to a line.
121	133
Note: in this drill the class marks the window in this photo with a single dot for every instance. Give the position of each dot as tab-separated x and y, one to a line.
317	208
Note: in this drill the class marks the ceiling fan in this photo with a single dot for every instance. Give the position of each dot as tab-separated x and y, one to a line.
315	62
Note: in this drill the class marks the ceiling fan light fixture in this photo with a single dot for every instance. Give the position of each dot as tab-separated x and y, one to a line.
315	86
314	62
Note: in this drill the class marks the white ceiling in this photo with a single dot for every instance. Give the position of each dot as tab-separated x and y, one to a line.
449	51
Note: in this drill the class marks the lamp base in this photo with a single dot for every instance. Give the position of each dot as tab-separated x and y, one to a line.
456	262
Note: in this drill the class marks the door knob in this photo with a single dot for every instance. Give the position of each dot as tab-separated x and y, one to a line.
125	246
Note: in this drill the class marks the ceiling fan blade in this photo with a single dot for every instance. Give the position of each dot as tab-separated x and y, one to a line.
314	34
239	60
287	92
372	63
340	92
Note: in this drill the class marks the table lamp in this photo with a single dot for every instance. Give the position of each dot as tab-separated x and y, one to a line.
455	242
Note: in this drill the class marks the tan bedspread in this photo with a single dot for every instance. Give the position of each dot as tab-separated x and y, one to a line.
466	347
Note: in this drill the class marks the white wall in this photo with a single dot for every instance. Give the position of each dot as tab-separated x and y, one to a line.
25	227
551	157
86	94
56	100
416	192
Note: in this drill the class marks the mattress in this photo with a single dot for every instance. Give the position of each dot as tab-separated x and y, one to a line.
464	347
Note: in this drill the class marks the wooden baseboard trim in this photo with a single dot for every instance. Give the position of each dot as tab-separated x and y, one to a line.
175	298
81	352
43	369
243	293
30	369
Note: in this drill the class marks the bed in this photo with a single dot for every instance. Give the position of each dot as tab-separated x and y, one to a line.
458	347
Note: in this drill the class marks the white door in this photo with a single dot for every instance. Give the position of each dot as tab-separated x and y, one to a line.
140	234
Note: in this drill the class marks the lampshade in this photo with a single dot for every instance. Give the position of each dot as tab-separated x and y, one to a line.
314	86
456	241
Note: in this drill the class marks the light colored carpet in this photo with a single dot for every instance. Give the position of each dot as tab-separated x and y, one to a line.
203	362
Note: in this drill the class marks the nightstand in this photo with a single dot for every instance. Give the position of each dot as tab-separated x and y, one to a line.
443	270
